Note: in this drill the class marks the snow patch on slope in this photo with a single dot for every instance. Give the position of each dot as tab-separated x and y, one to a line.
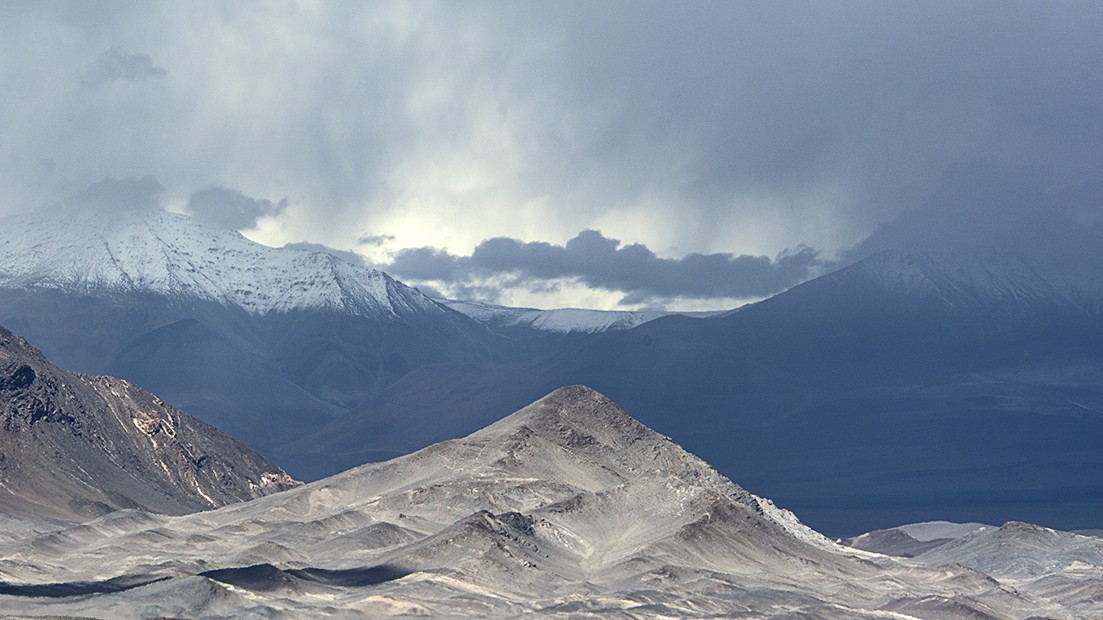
560	320
969	280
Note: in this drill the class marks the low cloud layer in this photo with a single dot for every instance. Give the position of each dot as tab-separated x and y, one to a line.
603	263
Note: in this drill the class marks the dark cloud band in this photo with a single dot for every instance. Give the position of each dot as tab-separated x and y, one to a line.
604	263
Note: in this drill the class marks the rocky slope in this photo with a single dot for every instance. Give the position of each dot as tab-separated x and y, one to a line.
75	447
566	508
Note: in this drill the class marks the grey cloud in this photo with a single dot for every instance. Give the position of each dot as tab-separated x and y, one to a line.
427	264
372	239
112	195
230	208
116	64
605	263
795	122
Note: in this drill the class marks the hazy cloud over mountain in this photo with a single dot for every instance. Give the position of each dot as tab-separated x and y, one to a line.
119	196
730	128
981	210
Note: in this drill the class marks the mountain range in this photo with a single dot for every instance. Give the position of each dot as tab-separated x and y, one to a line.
266	344
903	387
568	507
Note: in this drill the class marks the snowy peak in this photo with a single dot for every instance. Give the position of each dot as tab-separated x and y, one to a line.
557	321
561	320
970	280
176	256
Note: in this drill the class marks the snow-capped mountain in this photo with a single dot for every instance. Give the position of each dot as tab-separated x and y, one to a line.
559	321
180	258
965	281
265	343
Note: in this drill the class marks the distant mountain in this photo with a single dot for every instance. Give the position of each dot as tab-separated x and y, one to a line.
916	386
177	257
558	321
1025	553
945	385
893	541
911	540
268	344
75	447
568	507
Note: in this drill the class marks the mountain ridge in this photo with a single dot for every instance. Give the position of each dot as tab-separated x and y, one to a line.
74	446
172	255
543	512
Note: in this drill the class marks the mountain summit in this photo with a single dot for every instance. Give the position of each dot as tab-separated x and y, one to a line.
177	256
267	344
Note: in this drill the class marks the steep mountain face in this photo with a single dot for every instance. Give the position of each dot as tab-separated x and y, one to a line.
75	447
568	507
268	344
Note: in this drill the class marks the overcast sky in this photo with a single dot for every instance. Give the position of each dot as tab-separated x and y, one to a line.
604	154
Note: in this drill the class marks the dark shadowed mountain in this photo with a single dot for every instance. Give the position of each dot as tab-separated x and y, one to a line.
900	389
75	447
903	388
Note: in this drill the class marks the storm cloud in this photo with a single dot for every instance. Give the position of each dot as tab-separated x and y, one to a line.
229	208
604	263
716	128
